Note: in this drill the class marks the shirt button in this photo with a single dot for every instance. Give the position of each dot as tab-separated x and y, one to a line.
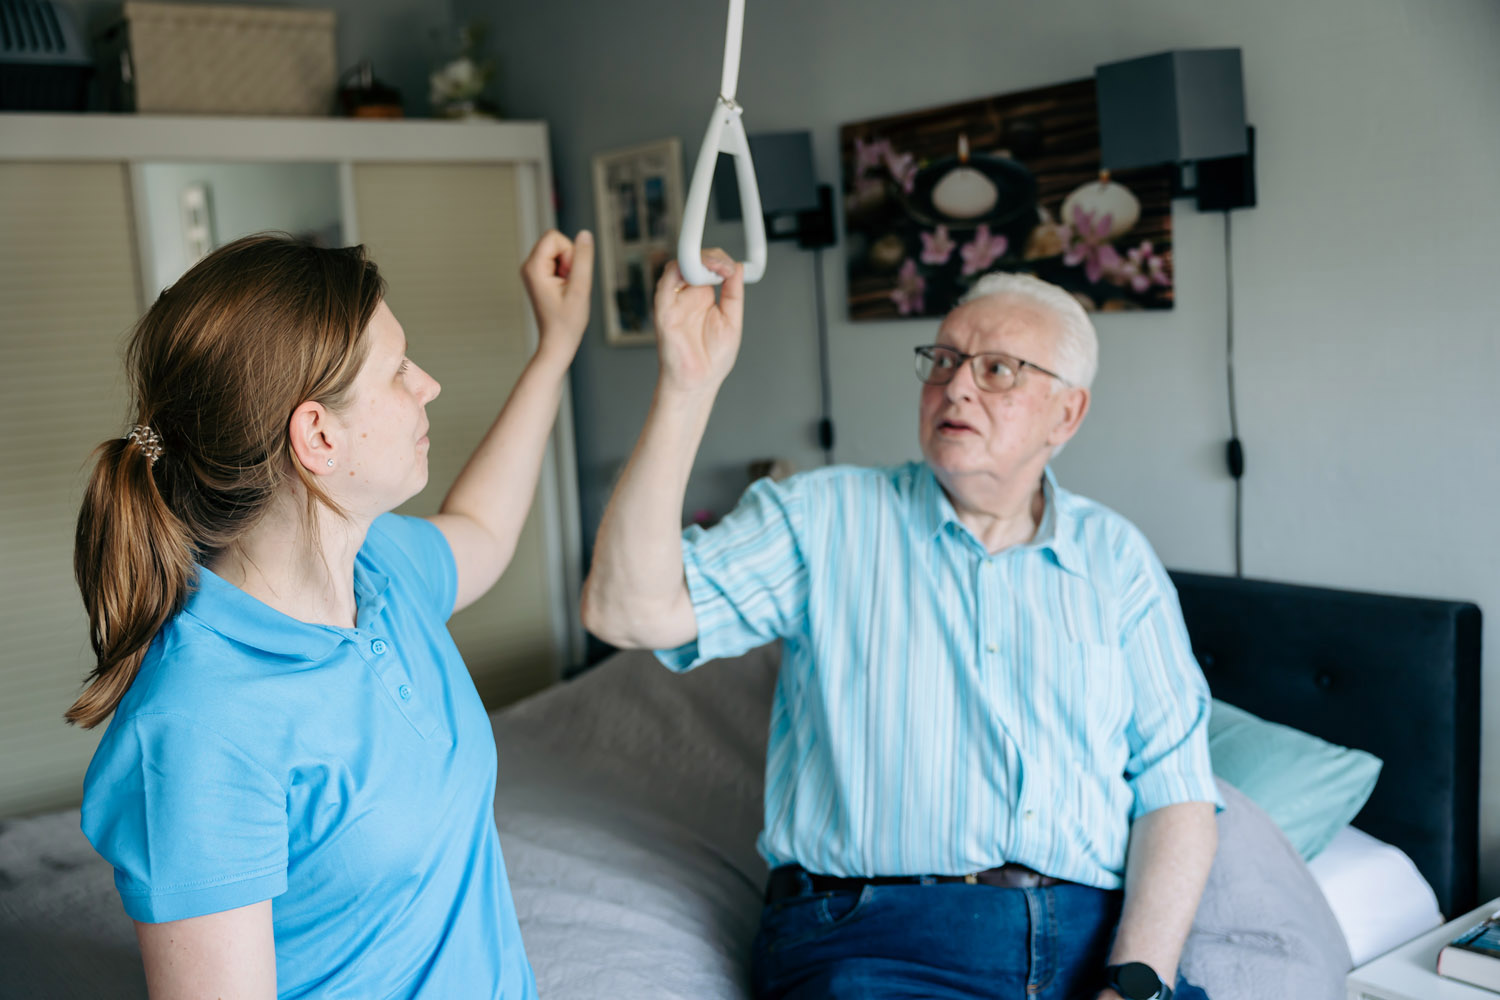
404	691
378	646
993	648
1029	814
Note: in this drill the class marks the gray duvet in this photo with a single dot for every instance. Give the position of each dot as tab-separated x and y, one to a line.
628	805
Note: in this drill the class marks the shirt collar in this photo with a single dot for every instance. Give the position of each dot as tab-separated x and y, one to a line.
1058	531
236	615
1056	534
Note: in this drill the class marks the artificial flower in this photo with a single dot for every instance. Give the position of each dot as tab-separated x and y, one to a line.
983	251
903	168
910	288
1142	268
937	247
1091	246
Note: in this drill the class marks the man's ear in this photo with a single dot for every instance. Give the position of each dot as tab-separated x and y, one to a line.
1075	407
314	438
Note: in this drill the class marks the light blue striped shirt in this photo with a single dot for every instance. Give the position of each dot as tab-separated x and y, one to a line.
941	710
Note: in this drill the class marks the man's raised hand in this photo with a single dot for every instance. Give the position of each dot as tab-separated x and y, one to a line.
698	333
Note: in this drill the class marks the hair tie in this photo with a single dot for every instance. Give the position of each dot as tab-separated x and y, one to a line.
147	440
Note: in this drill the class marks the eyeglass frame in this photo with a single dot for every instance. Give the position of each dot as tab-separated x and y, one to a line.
1020	365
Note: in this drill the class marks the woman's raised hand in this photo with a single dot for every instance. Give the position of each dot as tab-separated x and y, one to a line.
559	275
698	333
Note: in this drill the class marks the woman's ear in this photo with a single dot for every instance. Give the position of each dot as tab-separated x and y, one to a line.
314	438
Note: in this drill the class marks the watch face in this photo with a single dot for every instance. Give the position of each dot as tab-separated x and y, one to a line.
1137	981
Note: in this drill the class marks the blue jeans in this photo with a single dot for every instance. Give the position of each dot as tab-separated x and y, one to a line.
943	941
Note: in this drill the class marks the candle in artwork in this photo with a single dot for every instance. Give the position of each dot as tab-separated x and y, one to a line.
1105	197
963	192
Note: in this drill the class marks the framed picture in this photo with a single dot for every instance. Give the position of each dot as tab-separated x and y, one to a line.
934	199
638	195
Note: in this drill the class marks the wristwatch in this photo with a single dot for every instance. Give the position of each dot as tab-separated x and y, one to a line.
1137	981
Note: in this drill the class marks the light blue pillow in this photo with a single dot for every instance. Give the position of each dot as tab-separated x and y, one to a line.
1311	788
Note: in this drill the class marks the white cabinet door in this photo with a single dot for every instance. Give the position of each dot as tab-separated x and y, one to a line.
448	239
68	299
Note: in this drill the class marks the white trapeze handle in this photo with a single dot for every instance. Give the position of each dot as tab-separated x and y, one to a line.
726	133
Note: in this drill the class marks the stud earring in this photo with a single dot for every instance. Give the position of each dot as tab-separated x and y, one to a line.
330	463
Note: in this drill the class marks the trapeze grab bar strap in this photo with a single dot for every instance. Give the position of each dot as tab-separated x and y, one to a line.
726	133
732	35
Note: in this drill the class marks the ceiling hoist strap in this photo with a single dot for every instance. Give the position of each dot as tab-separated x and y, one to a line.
725	134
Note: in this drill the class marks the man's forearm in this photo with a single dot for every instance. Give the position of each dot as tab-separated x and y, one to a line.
635	594
1171	852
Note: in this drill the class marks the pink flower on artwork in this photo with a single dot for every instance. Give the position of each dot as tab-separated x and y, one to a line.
983	251
903	168
910	288
937	247
1143	267
1090	246
869	155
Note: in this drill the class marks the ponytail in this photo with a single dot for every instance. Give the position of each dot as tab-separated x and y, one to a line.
133	560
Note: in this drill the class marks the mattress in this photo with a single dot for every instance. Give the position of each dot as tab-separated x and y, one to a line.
1375	892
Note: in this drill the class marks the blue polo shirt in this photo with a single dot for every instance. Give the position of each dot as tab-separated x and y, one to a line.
346	774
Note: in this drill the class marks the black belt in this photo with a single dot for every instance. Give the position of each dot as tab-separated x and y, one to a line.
794	880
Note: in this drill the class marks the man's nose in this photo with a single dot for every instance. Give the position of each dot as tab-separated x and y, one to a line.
962	386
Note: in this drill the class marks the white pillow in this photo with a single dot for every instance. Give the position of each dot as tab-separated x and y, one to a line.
1376	892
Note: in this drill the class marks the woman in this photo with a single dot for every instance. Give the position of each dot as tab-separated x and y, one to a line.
291	719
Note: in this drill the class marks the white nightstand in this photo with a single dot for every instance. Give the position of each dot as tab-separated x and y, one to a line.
1410	971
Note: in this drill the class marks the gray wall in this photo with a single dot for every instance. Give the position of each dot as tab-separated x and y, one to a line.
404	39
1367	346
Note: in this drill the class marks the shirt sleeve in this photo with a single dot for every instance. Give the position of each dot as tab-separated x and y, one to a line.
422	544
191	824
1168	730
746	576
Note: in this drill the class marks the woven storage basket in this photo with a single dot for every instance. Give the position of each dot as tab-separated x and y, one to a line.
213	59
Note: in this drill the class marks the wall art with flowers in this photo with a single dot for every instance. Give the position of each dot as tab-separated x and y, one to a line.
934	199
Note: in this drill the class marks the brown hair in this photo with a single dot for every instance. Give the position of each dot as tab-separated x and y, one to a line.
216	367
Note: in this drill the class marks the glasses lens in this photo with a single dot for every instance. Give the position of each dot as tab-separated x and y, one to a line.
936	365
997	373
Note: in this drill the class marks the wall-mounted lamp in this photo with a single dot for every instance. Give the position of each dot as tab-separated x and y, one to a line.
1185	107
796	206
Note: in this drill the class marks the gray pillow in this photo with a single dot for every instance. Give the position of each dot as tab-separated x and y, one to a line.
1264	928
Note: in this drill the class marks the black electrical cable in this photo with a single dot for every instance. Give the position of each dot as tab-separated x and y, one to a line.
1235	452
825	423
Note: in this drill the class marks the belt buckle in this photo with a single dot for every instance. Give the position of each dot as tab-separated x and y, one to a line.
971	879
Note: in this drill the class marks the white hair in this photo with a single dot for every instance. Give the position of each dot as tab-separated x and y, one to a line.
1077	343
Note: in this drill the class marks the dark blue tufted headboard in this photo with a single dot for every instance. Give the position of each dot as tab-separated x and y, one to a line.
1397	676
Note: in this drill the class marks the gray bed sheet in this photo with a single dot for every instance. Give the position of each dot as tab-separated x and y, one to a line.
628	804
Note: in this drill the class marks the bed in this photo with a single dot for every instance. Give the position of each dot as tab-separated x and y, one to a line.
629	800
1397	676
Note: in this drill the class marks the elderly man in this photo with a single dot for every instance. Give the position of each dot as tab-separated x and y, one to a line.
988	769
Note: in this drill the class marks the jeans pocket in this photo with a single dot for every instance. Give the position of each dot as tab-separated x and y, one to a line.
839	907
810	918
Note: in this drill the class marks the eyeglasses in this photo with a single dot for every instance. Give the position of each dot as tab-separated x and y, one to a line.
936	365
